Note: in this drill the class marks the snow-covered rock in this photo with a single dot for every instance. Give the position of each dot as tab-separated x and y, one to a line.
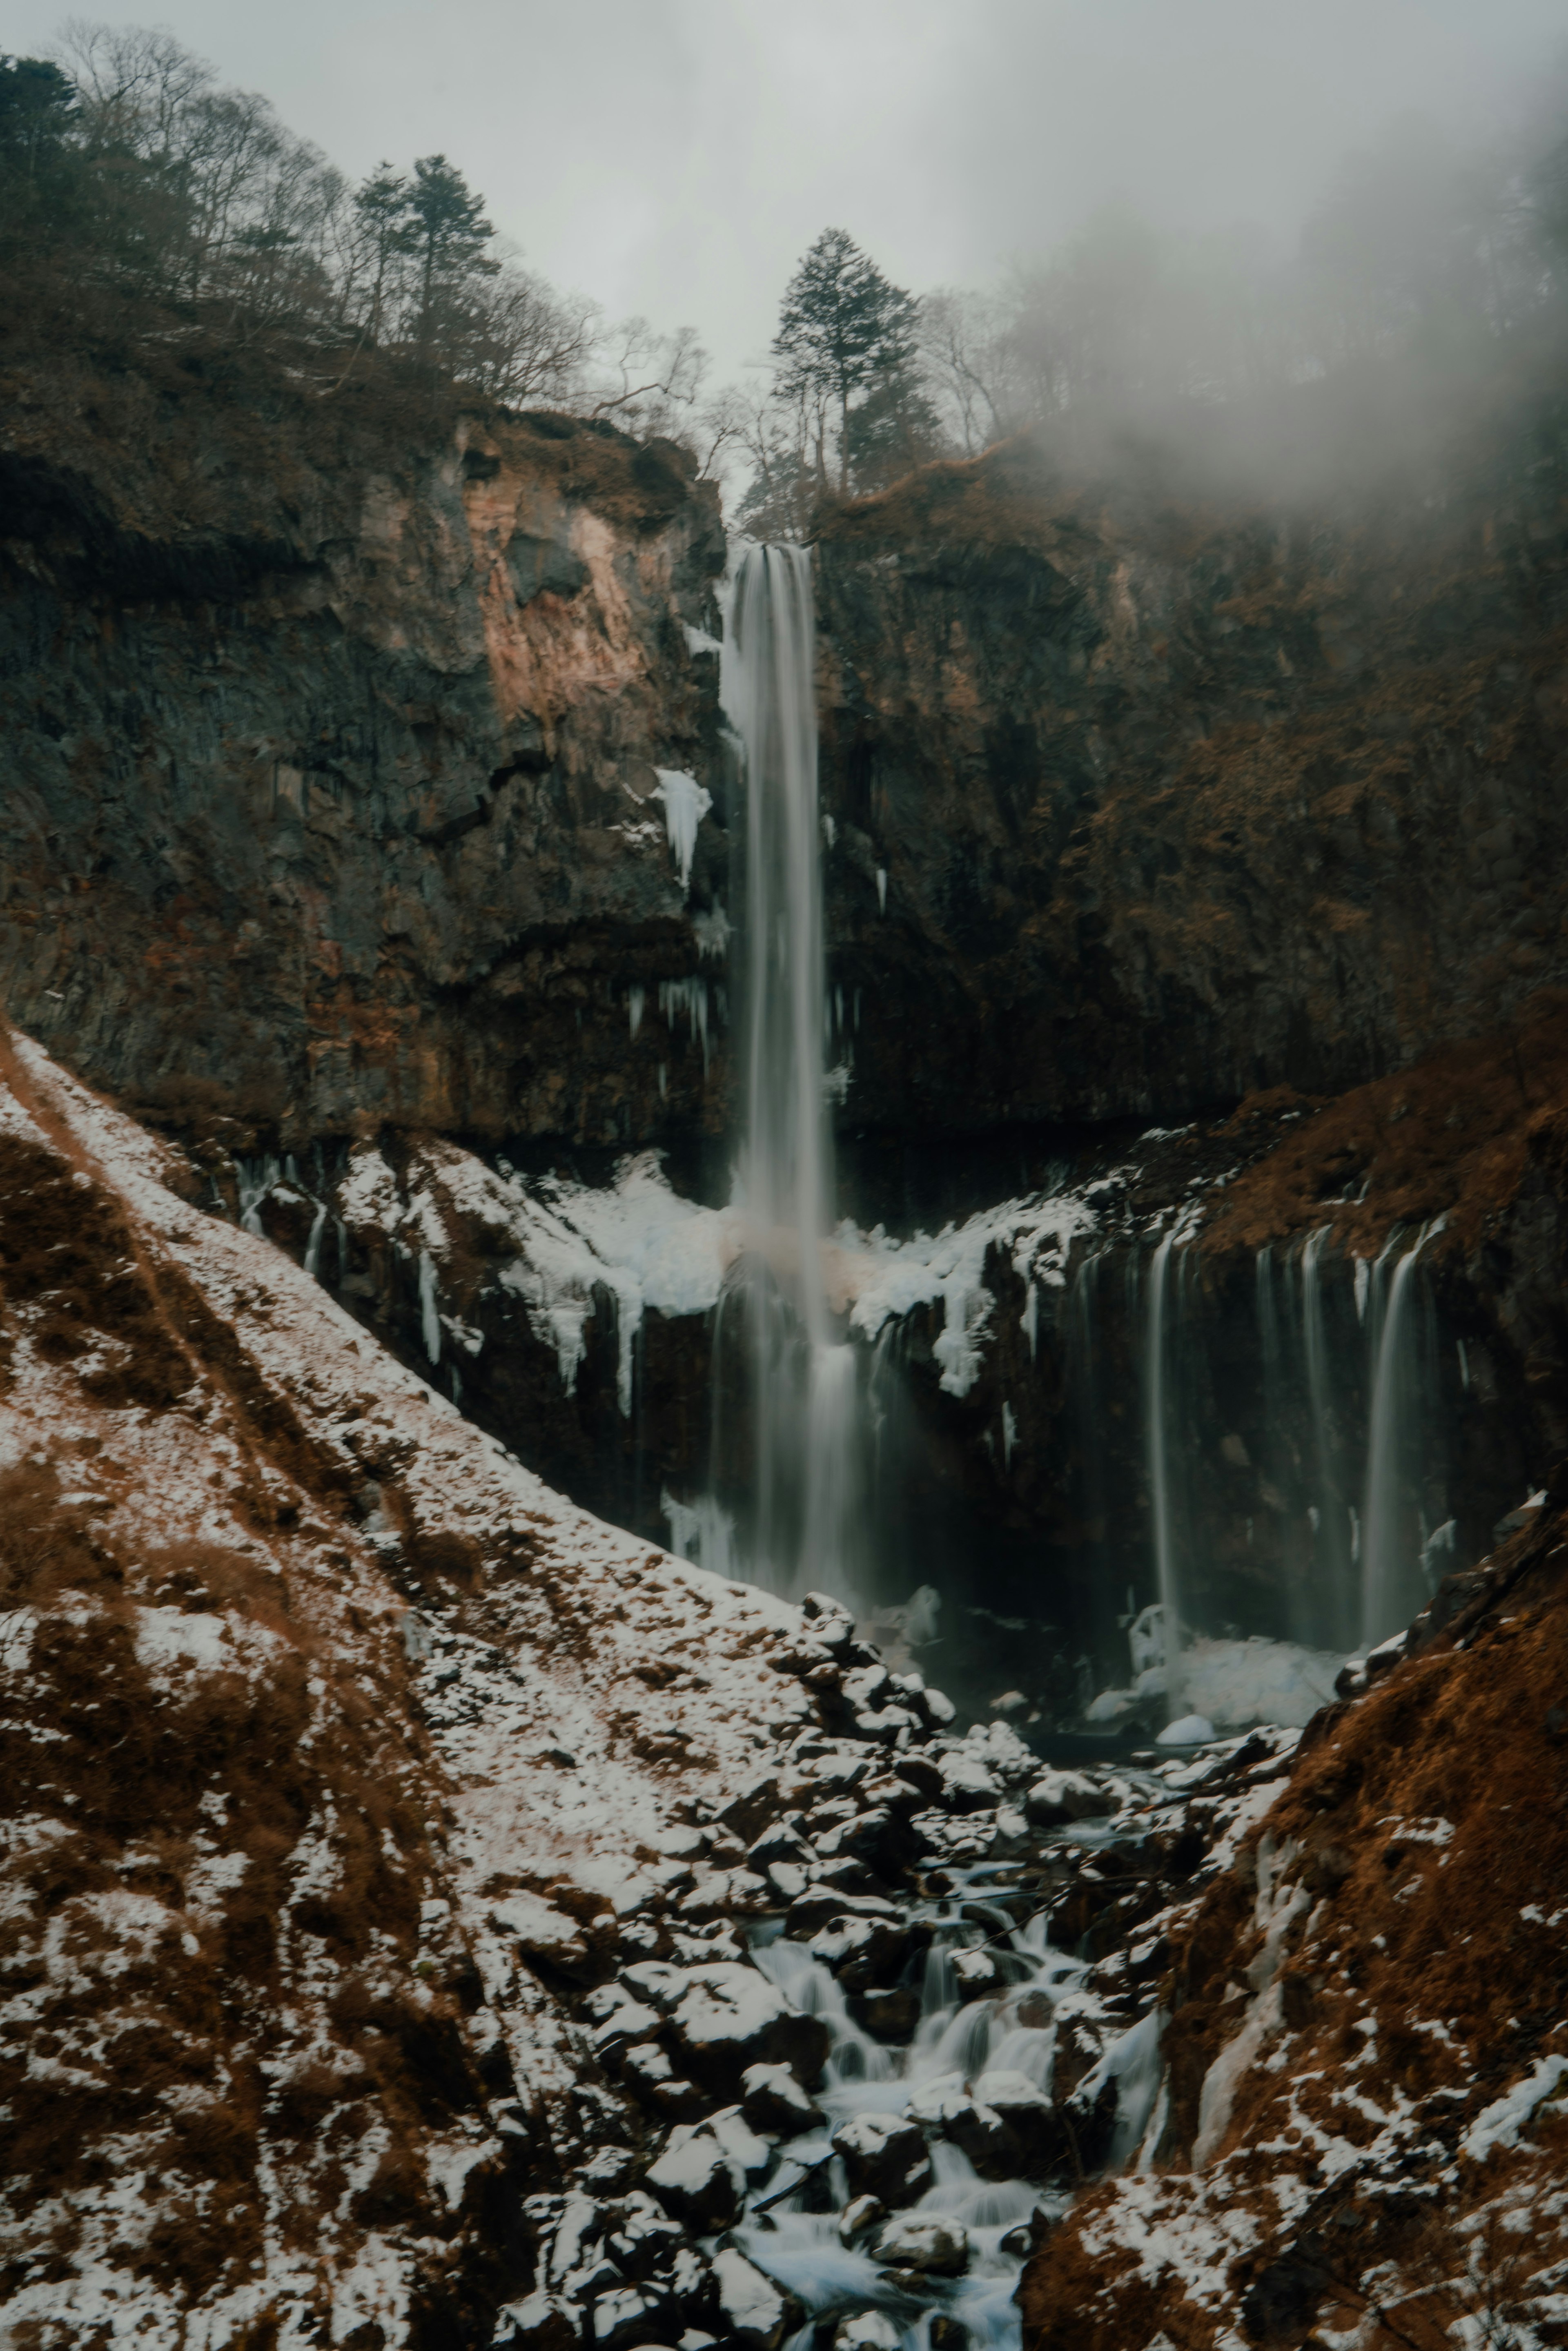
884	2155
925	2241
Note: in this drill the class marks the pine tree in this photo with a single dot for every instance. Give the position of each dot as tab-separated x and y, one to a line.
448	232
844	327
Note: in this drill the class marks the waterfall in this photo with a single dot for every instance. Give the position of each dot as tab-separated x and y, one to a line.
807	1396
1165	1569
1336	1616
1391	1584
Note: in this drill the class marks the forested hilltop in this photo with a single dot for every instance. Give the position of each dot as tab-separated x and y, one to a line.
151	216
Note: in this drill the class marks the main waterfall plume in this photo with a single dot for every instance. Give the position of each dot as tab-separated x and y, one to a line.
805	1397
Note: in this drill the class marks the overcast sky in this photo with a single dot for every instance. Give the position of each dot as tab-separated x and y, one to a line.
676	157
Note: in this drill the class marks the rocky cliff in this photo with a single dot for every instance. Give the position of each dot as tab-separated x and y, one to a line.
333	754
1144	803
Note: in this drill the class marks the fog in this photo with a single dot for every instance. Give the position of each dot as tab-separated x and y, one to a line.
676	157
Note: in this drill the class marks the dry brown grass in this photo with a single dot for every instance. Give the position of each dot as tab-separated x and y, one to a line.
1455	1136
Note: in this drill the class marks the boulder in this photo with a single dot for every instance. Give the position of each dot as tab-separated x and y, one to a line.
545	2322
698	2180
772	2099
878	1837
1060	1796
967	1784
930	2243
976	1973
648	2074
754	2314
861	2213
729	2017
630	2315
867	2330
1009	2130
884	2156
542	1932
887	2013
780	1842
819	1906
864	1951
752	1809
644	2240
828	1620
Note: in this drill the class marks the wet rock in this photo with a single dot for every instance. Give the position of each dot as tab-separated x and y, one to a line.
884	2156
936	2246
948	2333
1009	2128
698	2180
819	1906
976	1973
729	2017
755	2315
863	1951
887	2013
861	2213
867	2330
772	2099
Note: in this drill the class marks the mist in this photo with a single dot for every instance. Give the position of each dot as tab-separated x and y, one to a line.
674	159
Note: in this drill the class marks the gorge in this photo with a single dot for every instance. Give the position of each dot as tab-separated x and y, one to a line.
998	1083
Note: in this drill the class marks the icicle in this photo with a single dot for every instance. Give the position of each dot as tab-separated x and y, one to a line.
882	889
690	997
636	998
686	805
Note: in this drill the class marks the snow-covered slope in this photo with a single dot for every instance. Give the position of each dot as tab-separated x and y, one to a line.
308	1686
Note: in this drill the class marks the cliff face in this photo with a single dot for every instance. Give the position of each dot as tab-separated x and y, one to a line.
330	757
1173	802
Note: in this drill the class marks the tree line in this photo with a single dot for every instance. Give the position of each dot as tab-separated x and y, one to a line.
128	174
131	177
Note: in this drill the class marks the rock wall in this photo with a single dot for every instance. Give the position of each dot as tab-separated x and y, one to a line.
1144	803
331	753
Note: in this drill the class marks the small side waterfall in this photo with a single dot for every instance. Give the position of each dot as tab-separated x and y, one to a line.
807	1399
1330	1534
1166	1571
1392	1534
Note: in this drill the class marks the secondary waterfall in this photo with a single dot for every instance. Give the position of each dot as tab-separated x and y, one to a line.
806	1379
1164	1516
1393	1531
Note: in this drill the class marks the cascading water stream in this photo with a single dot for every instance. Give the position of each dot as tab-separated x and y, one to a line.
1166	1572
1007	2039
806	1400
